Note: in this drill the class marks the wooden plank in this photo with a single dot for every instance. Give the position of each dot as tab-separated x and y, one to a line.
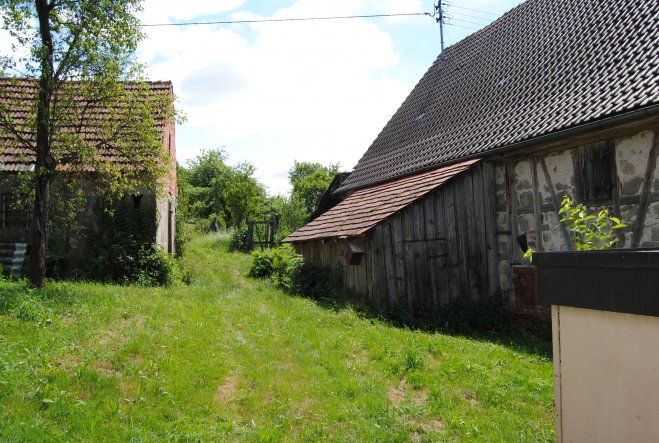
423	302
436	263
556	204
536	206
399	259
410	265
639	224
370	258
467	235
419	223
489	212
511	195
379	271
442	271
390	266
479	218
429	215
454	255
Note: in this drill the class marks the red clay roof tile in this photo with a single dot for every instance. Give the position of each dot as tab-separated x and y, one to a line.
367	207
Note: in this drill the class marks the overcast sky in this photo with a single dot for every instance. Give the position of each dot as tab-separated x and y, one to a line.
272	93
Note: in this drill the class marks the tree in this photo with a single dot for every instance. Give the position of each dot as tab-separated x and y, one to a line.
310	181
231	192
207	168
79	58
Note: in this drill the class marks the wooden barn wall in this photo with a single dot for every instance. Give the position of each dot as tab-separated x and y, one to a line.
438	249
331	253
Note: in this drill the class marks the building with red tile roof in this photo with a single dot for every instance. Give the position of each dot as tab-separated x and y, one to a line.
92	134
554	98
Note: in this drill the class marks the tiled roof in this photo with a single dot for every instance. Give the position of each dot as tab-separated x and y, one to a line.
367	207
17	108
545	66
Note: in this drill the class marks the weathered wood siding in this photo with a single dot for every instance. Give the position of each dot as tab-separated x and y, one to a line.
331	253
438	249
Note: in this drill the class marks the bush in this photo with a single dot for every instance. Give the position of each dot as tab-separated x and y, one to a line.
281	265
238	237
146	265
290	272
316	281
128	253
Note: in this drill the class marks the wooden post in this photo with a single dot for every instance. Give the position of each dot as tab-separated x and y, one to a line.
645	193
536	205
556	204
249	240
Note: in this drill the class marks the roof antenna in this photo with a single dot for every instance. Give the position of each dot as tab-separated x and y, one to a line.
439	17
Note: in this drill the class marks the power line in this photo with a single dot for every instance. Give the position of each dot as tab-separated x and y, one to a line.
476	10
463	27
466	21
472	16
277	20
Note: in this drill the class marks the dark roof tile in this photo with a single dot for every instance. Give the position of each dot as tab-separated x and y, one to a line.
545	66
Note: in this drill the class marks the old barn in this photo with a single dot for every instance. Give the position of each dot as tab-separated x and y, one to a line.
554	98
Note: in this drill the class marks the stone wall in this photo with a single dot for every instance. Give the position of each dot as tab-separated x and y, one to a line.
527	190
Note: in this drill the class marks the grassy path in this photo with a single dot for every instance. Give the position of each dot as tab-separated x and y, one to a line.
232	359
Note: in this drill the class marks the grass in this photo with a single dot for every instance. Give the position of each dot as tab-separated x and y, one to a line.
233	359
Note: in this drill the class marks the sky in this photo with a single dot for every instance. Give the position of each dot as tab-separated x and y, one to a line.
313	91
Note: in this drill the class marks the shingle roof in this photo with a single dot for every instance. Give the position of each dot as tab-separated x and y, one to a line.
365	208
18	111
545	66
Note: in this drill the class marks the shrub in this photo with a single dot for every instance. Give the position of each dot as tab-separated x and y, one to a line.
290	272
238	237
128	253
281	265
315	281
144	265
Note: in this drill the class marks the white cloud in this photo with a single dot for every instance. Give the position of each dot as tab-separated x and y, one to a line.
273	93
163	11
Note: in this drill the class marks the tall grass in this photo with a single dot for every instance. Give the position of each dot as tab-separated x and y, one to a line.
233	359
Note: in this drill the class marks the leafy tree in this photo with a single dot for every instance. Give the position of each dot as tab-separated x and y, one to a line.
207	168
242	194
289	211
78	55
310	181
230	192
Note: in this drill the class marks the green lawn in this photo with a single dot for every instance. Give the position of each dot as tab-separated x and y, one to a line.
233	359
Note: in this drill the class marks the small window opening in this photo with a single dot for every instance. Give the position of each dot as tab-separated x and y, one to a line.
137	201
354	252
12	213
595	172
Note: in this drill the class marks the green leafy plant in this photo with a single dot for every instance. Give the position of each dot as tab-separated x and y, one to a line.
278	264
290	272
589	231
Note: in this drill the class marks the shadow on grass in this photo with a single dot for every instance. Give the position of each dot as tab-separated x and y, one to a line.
490	322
